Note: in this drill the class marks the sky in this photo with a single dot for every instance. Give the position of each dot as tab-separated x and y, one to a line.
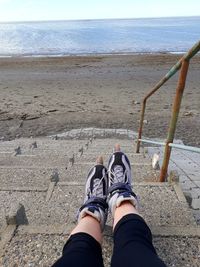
33	10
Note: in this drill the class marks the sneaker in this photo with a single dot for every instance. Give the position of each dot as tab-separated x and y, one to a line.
119	177
96	190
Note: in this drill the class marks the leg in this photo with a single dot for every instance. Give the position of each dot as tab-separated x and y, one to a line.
124	209
90	226
132	240
132	237
83	248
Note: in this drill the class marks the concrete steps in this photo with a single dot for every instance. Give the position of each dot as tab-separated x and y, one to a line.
104	150
44	143
79	171
62	204
48	181
11	178
31	248
35	161
53	161
18	176
133	157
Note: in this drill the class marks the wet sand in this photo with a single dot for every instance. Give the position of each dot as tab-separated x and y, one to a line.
42	96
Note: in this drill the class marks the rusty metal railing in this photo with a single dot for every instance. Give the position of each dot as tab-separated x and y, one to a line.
182	64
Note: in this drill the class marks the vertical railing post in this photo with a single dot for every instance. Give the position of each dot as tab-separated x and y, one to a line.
174	117
141	126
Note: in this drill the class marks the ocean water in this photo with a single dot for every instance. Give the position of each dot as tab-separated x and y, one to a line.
56	38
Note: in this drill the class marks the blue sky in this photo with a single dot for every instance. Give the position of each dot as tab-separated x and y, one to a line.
23	10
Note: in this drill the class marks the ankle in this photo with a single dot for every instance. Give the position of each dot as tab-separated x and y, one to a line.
121	193
96	208
89	225
125	208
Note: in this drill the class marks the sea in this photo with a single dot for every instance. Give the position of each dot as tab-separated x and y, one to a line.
88	37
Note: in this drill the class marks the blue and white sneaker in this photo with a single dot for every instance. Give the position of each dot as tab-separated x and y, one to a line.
96	190
119	177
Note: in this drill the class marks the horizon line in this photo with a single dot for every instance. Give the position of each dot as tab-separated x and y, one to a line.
62	20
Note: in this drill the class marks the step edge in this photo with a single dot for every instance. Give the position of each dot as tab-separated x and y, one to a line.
163	231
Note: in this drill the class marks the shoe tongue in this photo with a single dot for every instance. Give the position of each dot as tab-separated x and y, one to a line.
119	173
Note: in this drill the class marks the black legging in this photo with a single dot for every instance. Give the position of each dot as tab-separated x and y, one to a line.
132	247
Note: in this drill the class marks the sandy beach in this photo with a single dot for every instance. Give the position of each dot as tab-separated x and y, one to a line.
42	96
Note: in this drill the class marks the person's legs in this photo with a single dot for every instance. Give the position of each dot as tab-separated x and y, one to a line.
132	237
83	248
90	226
124	209
133	240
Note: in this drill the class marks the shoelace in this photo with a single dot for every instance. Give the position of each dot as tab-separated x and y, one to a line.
118	175
97	189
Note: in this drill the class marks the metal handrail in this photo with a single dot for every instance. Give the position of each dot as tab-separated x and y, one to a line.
178	146
182	64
